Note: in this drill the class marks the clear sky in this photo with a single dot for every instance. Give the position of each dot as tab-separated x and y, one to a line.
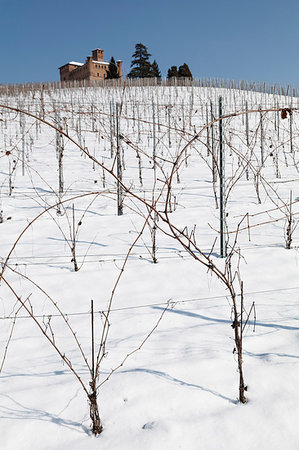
235	39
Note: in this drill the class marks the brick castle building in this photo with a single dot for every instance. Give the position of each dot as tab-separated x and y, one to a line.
93	69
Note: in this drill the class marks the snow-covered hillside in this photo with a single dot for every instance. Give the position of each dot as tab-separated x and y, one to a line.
112	195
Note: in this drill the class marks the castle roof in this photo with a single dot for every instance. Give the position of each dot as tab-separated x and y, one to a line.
74	63
100	62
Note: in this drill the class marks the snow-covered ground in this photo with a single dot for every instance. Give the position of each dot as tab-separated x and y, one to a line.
180	390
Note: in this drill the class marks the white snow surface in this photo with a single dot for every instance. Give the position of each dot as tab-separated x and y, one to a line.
100	62
74	63
180	390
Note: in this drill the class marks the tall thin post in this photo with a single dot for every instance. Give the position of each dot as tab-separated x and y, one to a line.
92	119
291	130
154	136
191	107
10	186
278	117
60	155
183	115
169	138
247	141
154	228
23	143
222	185
138	122
208	132
119	166
262	136
111	129
213	155
79	127
74	259
247	125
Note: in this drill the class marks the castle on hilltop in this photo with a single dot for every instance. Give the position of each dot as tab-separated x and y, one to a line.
93	69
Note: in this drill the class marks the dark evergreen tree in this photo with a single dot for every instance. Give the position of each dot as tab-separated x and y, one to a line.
154	70
141	67
172	72
184	71
112	71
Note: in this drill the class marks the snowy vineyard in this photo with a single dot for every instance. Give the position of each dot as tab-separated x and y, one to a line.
149	250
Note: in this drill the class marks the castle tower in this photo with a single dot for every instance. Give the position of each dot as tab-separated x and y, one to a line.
97	55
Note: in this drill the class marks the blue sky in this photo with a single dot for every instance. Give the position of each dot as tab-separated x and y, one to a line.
244	39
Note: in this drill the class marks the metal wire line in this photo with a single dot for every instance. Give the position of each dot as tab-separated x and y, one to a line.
148	305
